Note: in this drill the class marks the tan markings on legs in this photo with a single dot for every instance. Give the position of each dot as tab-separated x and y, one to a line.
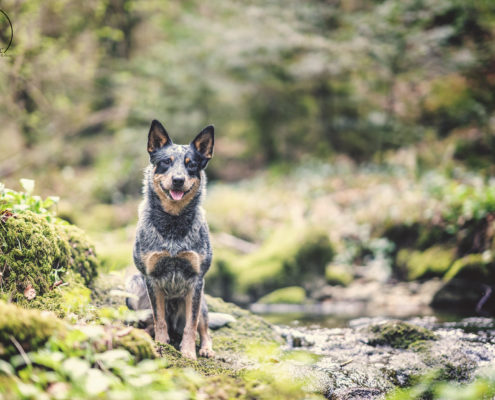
206	345
188	343
194	258
161	329
150	259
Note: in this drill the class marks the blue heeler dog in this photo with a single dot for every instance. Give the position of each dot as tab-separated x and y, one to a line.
172	248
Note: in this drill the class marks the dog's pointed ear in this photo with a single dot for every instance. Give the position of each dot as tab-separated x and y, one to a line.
157	137
203	143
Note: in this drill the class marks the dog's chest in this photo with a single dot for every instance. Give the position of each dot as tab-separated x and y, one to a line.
176	276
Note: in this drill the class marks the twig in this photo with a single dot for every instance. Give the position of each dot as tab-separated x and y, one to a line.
483	300
20	350
346	363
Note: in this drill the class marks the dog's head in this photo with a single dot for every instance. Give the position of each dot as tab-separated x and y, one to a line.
177	169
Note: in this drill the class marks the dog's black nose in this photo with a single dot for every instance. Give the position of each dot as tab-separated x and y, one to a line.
178	181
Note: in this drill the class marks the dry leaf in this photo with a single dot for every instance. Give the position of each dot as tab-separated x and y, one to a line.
29	292
5	215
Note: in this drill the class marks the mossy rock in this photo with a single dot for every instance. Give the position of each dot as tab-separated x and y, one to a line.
36	253
399	335
338	275
30	329
205	366
433	262
288	257
417	235
246	330
473	267
288	295
83	258
137	342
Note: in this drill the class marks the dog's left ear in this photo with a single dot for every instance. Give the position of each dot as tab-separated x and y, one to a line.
203	144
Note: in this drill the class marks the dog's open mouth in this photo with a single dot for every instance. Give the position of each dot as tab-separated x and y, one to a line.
176	194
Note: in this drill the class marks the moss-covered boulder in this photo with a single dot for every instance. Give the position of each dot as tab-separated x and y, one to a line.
288	295
36	256
288	257
25	329
338	275
473	267
433	262
418	235
246	330
399	335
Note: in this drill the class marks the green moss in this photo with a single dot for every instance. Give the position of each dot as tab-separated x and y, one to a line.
288	295
32	254
473	267
138	343
35	253
288	257
432	262
29	328
222	277
205	366
338	275
416	235
247	328
82	252
399	335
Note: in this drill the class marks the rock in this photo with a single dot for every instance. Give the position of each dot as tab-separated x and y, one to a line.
29	330
473	267
288	295
38	255
351	363
356	394
217	320
464	296
26	329
288	257
433	262
336	274
398	334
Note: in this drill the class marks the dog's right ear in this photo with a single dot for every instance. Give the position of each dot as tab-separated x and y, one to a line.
157	137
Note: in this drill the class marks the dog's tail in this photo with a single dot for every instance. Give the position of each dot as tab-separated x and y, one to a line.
139	300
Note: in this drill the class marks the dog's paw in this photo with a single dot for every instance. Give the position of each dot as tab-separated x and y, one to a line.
162	338
206	352
191	354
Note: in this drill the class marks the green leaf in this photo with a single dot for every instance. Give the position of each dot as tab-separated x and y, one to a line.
28	185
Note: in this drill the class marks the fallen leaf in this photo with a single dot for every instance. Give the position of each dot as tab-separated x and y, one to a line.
58	283
5	215
124	332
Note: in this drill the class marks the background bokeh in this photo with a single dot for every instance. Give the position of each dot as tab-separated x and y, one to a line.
354	139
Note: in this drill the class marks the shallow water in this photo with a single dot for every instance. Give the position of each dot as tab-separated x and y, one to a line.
292	319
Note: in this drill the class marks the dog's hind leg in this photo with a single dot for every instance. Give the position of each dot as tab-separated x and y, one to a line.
205	349
157	299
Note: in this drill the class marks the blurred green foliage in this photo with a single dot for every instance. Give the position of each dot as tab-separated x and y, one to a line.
280	80
22	201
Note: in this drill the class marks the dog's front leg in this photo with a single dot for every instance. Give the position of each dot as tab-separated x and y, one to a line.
157	299
193	304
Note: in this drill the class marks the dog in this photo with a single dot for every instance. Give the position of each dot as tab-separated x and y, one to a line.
172	249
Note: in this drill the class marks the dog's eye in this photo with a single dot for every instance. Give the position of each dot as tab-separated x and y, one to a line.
191	165
168	161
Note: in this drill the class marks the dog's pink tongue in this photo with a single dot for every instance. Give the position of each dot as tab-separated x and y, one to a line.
176	195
